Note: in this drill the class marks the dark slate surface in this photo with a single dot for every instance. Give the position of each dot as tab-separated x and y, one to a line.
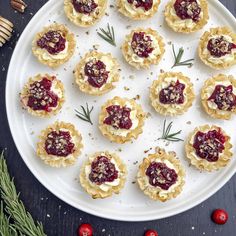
60	219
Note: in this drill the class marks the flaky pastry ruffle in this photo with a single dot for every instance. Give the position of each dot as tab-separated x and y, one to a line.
77	18
171	109
210	85
58	161
201	163
156	193
133	134
39	52
24	95
202	48
171	19
146	62
84	86
92	189
137	13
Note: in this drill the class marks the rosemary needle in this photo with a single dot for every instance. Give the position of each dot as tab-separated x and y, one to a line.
179	56
108	35
85	115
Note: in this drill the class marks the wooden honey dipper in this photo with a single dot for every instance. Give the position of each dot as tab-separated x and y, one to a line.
6	28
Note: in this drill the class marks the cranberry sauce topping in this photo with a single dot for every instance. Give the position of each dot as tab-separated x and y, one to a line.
223	97
173	94
96	72
219	46
142	44
209	145
41	97
102	170
59	143
160	175
188	9
53	41
119	117
145	4
84	6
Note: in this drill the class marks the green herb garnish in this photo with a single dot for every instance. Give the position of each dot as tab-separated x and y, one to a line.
178	58
85	115
167	135
108	35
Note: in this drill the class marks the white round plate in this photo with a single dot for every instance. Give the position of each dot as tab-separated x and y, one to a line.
131	204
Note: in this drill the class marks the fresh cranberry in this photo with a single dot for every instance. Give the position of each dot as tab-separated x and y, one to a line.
220	216
173	94
84	6
96	72
160	175
219	46
102	170
223	97
41	97
151	232
85	230
59	143
53	41
119	117
188	9
145	4
142	44
209	145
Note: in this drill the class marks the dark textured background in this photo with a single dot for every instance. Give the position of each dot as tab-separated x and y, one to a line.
60	219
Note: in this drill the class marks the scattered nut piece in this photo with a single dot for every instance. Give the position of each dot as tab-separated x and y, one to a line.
18	5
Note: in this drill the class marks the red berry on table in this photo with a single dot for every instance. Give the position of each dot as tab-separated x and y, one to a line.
151	232
85	230
220	216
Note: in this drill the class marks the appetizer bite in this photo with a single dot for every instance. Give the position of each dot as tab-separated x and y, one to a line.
172	94
186	16
161	175
43	95
121	120
97	73
85	13
103	174
208	148
143	48
59	145
217	48
54	45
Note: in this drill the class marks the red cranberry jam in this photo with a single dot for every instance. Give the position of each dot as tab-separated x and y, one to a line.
223	97
53	41
41	97
188	9
119	117
173	94
102	170
145	4
219	46
59	143
84	6
209	145
96	72
160	175
142	44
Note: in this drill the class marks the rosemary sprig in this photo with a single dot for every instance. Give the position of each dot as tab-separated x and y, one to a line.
178	58
166	135
85	115
23	221
108	35
6	229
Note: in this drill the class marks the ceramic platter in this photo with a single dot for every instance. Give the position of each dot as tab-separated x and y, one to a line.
131	204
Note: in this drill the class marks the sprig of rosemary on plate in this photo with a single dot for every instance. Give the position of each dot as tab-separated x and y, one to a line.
14	207
85	115
167	135
108	34
179	56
